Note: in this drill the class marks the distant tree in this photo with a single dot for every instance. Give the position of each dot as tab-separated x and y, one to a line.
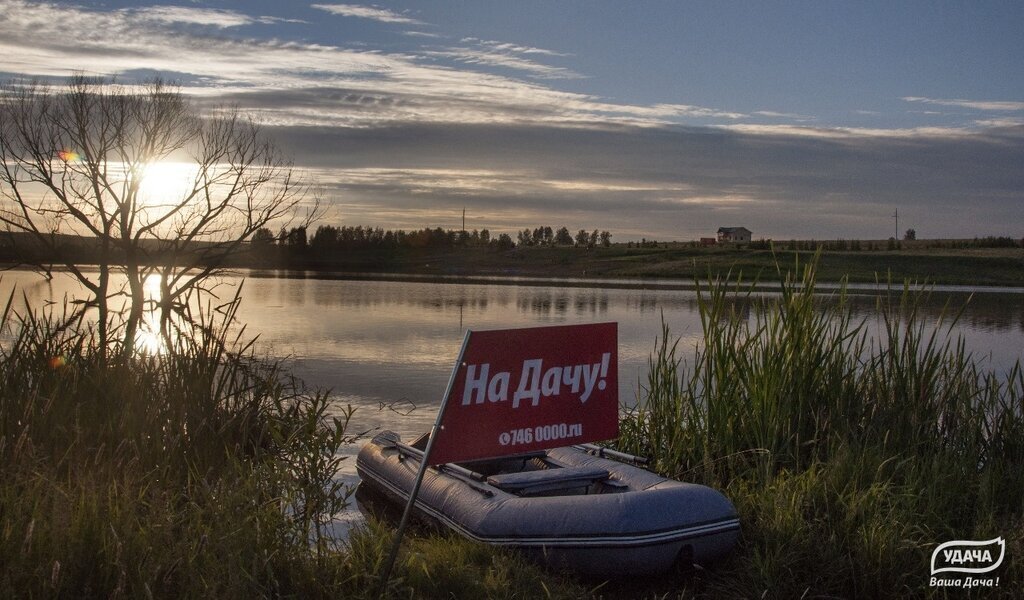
595	235
524	238
263	237
297	239
262	246
485	237
505	241
606	239
582	238
910	235
563	237
325	239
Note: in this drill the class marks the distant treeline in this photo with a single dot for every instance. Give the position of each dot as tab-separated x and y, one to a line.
329	239
890	244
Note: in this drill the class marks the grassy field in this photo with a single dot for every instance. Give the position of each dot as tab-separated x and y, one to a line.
914	261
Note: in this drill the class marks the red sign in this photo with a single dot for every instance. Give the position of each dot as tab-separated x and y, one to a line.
518	390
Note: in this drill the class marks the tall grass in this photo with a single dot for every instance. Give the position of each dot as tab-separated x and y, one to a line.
201	471
850	448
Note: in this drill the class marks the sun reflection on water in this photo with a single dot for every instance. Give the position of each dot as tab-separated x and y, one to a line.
150	338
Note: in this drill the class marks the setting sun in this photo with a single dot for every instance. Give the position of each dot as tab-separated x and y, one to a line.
167	182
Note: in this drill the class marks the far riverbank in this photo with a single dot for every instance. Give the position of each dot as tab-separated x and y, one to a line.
967	262
667	266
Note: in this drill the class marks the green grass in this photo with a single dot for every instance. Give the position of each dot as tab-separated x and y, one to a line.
849	459
200	472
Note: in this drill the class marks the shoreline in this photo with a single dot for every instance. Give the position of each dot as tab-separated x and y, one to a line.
649	282
659	284
673	266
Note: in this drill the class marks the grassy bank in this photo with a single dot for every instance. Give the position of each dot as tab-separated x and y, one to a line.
199	472
946	265
848	459
996	261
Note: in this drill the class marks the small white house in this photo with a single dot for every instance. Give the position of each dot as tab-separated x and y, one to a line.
733	234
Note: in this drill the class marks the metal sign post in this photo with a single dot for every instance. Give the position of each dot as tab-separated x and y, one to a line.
393	554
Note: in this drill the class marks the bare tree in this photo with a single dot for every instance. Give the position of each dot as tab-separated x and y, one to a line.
81	160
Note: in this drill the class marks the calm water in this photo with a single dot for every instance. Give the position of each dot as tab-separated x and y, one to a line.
387	347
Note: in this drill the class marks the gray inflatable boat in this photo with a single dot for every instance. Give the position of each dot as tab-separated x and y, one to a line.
569	507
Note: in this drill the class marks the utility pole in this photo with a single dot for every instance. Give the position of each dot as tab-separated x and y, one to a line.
896	215
463	218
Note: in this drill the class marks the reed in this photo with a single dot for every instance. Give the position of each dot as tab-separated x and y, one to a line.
201	471
851	448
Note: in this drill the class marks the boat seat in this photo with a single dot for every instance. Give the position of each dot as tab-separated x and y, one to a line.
536	482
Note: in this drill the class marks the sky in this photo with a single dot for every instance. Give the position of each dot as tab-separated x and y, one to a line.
657	120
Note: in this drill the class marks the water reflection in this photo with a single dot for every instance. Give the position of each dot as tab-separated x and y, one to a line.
376	342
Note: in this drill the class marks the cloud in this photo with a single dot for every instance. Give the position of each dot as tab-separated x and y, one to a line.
422	34
975	104
1000	123
402	140
297	83
693	111
509	47
366	12
505	59
507	55
273	20
671	182
771	114
840	133
191	16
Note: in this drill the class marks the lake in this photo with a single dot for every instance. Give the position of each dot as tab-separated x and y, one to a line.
387	346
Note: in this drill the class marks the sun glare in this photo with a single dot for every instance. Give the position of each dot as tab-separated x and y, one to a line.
165	183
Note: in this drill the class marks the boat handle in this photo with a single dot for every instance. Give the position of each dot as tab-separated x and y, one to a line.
450	467
608	452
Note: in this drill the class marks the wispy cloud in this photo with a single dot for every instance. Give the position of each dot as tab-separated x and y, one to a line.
509	47
771	114
297	83
996	105
845	133
1000	123
191	16
506	55
687	110
423	34
273	20
367	12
